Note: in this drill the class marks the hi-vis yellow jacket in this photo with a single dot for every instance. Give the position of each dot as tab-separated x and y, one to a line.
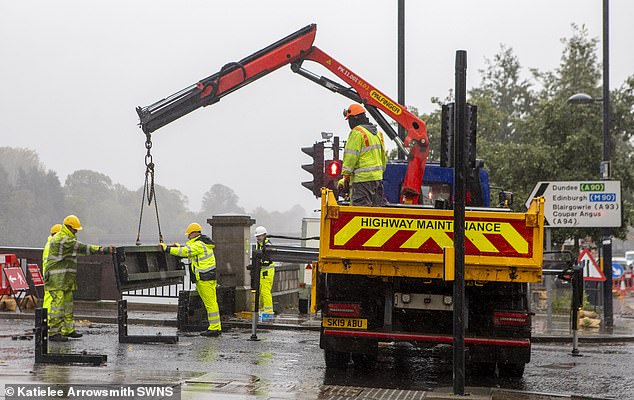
364	155
61	264
200	251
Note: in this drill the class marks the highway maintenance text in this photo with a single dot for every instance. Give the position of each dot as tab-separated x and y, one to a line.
445	225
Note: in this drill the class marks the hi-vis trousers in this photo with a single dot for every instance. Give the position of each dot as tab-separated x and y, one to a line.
59	306
207	292
266	284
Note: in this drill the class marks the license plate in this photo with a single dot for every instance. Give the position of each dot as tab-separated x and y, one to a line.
345	323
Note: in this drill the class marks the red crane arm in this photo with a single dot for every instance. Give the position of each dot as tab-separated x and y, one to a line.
416	139
231	77
294	50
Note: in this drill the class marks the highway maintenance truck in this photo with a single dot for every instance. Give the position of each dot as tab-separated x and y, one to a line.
385	274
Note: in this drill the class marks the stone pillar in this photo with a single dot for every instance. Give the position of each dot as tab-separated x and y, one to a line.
231	234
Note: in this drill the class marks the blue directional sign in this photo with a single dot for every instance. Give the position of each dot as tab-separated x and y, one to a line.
617	270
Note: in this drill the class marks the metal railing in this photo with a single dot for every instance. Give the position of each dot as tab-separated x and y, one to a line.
286	281
168	291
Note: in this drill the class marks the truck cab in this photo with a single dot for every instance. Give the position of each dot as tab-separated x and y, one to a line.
437	184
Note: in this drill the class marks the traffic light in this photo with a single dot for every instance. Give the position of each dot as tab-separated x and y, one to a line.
332	173
447	135
316	151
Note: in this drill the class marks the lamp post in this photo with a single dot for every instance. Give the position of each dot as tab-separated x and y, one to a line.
401	68
606	170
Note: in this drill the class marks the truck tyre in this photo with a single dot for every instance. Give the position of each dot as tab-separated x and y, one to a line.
511	370
365	361
482	369
336	359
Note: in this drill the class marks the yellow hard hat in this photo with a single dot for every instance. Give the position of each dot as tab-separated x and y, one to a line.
56	228
193	227
73	222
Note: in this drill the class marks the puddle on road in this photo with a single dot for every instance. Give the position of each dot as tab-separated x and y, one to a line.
559	365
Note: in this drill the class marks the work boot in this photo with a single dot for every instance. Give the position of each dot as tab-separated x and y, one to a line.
211	333
58	338
73	335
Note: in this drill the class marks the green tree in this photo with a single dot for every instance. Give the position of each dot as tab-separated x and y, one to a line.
503	96
86	193
31	198
574	132
528	135
111	213
285	223
13	160
220	199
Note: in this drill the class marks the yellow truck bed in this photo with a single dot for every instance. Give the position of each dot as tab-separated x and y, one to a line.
410	242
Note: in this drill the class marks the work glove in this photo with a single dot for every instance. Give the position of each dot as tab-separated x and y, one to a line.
106	249
343	184
166	248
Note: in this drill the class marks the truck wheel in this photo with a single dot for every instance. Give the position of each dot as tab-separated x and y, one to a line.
510	370
483	369
336	359
364	360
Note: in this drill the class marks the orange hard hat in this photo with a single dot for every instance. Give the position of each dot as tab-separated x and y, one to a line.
354	109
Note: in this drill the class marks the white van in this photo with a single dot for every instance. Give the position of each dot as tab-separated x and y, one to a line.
622	262
629	258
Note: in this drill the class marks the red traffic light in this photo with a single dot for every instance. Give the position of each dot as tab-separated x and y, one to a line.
316	168
333	168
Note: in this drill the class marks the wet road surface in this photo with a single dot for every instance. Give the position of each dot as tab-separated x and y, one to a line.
289	364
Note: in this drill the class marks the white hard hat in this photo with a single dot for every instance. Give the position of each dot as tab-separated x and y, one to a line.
260	230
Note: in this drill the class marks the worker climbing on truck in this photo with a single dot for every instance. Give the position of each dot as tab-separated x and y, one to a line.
364	160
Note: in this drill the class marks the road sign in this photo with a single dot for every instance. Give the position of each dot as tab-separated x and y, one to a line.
591	270
580	204
617	270
36	276
16	278
6	261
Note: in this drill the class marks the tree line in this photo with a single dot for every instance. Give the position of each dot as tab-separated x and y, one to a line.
32	199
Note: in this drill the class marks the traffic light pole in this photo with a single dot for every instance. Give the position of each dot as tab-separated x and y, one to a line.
577	303
460	118
255	268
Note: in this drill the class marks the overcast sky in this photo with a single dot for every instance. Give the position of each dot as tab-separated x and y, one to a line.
72	73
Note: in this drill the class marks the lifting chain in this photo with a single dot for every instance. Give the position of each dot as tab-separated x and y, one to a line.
148	190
